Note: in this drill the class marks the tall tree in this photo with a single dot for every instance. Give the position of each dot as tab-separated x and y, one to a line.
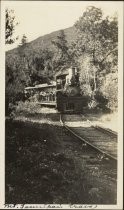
97	37
61	57
10	24
23	40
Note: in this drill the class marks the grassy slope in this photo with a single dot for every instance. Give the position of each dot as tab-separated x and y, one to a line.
45	164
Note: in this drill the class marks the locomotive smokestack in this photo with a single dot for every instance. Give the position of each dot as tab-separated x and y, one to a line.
72	72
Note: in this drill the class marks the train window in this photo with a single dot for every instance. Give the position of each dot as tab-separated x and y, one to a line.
69	106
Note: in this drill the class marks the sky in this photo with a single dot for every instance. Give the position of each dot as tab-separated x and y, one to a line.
37	18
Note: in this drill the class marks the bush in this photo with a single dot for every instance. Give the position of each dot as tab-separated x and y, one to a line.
101	100
110	90
12	100
27	107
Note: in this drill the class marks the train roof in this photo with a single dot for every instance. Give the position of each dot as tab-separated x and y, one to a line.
62	72
44	85
29	88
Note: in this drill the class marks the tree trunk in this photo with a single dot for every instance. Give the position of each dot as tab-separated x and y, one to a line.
95	73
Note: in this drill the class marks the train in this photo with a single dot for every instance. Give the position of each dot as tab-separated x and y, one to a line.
64	94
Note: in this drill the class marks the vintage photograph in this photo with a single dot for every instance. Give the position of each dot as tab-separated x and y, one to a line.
62	144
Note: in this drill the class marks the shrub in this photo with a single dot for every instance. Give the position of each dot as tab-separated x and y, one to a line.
101	100
110	90
27	107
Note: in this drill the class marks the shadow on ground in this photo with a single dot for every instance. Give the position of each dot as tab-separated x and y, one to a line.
46	164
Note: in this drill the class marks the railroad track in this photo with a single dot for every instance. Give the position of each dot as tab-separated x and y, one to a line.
104	130
102	140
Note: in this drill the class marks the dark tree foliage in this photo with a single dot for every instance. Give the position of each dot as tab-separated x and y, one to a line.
61	57
27	68
61	43
39	66
98	37
10	24
96	48
23	40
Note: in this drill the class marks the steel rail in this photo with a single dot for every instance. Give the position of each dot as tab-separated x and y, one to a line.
84	140
102	129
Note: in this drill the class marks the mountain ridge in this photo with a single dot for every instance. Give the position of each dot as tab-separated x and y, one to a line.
45	41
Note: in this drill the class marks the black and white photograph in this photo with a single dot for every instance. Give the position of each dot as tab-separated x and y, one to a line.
61	91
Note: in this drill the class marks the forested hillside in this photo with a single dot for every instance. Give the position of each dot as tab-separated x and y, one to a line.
45	41
33	63
91	44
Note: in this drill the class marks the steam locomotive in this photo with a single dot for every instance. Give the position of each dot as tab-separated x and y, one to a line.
64	94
